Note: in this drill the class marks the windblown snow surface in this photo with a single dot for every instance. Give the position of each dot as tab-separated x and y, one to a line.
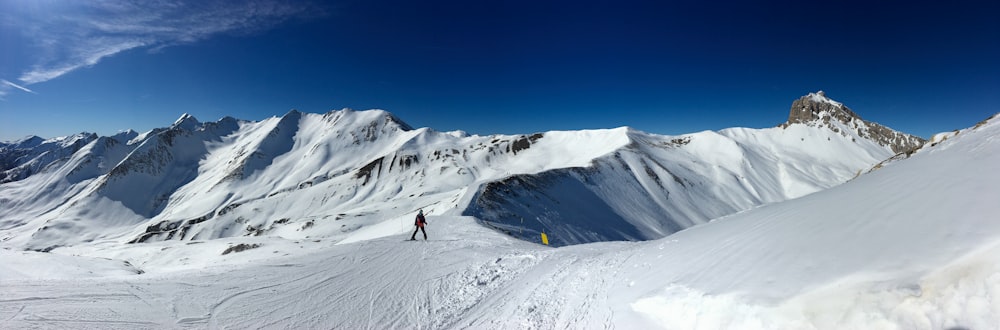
913	245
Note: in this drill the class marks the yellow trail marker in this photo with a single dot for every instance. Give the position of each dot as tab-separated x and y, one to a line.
545	239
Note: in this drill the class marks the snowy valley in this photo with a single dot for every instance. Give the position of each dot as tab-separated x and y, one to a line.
825	221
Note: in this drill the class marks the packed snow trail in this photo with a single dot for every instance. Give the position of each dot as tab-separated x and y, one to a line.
381	283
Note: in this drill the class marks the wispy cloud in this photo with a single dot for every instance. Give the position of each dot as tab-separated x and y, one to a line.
75	35
6	86
10	84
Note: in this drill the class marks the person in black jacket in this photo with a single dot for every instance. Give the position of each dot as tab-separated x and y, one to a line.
419	222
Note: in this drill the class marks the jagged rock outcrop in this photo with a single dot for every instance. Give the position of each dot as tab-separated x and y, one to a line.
816	109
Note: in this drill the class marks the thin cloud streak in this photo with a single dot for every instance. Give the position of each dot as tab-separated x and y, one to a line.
89	32
8	83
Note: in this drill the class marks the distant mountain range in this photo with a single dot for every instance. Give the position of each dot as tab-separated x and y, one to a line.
330	175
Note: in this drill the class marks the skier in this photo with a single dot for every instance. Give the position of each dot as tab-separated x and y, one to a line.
419	223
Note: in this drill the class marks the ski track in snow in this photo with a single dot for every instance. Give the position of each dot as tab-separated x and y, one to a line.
378	284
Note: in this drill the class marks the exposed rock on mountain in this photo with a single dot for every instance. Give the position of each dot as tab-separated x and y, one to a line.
818	110
933	142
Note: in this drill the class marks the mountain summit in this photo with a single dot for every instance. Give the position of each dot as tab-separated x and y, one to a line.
818	110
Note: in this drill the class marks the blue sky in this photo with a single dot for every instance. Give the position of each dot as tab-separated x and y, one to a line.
668	67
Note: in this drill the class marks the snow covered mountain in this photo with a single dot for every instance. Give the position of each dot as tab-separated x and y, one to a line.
331	175
913	245
21	159
653	186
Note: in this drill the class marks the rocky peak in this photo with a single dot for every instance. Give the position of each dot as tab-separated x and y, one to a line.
816	109
816	106
186	121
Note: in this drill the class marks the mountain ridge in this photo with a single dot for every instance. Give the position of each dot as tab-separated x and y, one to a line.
816	109
328	175
911	246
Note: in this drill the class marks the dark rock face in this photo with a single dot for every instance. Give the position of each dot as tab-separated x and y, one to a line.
811	107
240	248
816	109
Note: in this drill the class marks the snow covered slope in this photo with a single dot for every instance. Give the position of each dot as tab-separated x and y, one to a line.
913	245
658	185
329	175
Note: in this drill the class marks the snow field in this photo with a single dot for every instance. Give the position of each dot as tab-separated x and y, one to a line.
380	283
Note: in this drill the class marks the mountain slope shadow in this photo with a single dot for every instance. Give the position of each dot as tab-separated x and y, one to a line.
557	203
